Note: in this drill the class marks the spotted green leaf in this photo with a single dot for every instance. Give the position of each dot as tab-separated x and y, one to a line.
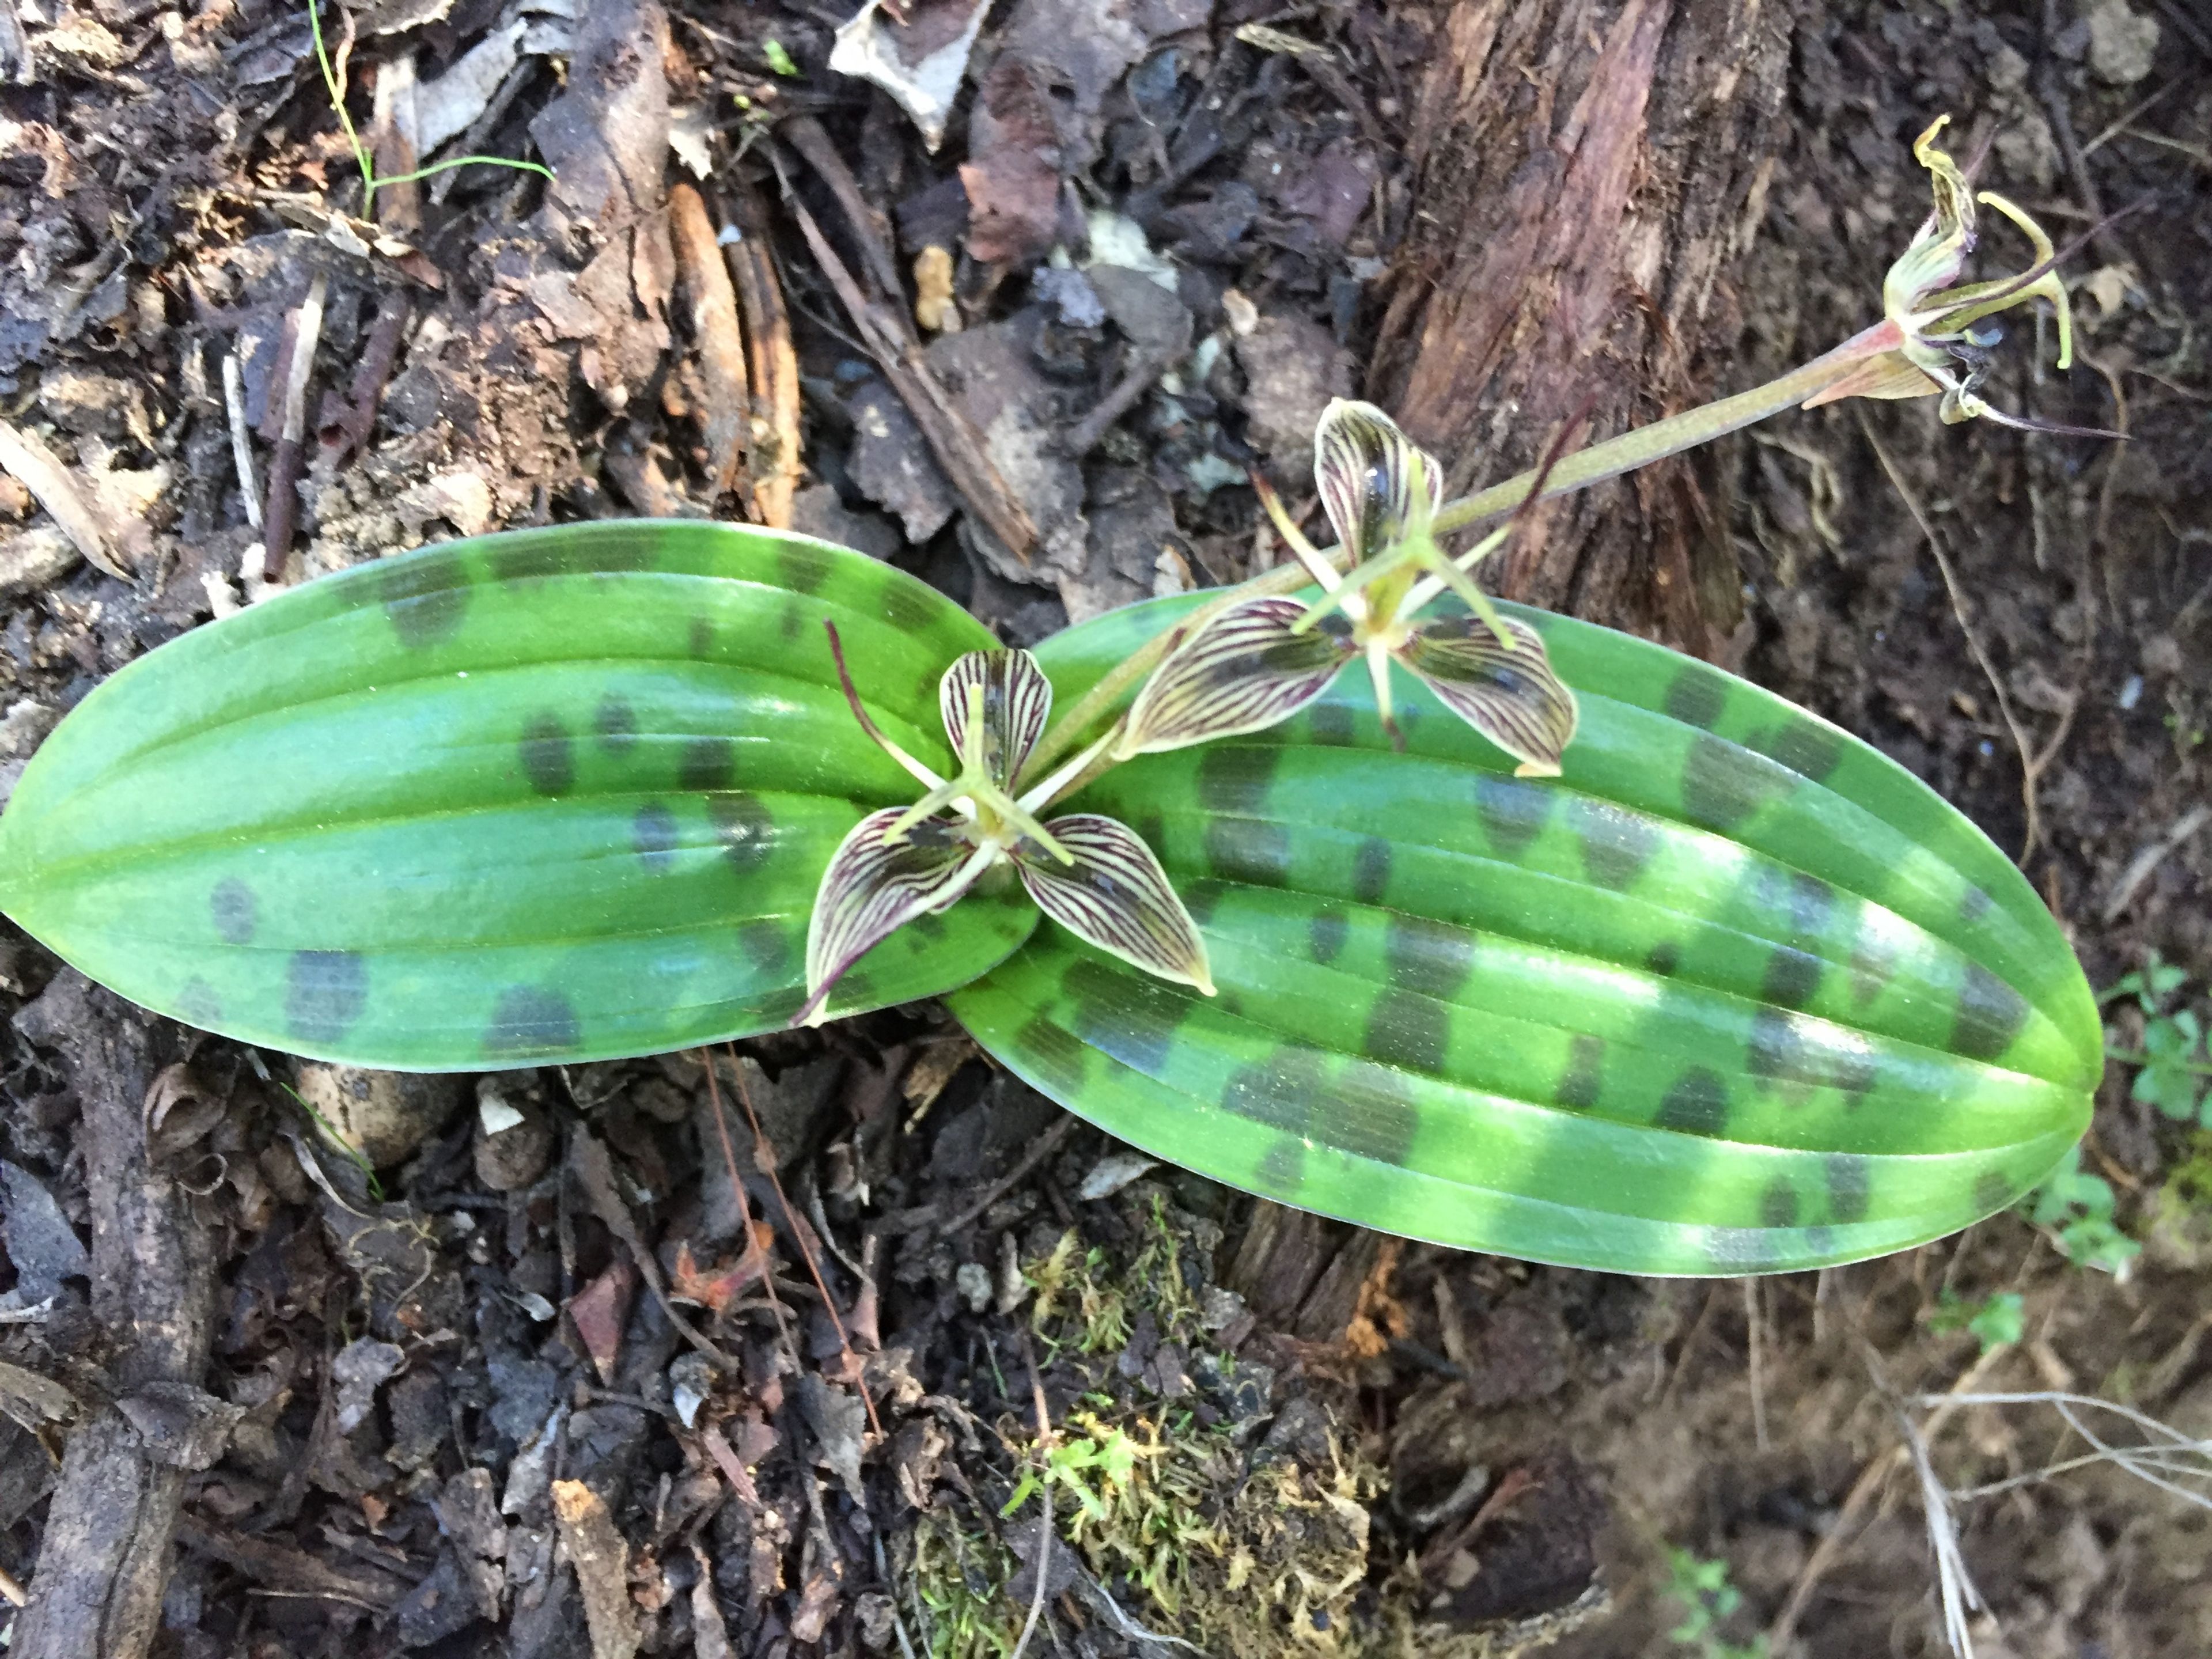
1735	993
558	794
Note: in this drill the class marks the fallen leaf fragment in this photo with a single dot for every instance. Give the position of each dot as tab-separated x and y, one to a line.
919	61
716	1288
41	471
600	1309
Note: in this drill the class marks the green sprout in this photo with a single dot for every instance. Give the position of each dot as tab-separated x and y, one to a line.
1996	1321
2171	1067
780	60
369	181
2075	1209
1708	1600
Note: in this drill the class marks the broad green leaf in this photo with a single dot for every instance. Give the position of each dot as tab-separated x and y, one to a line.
557	794
1736	994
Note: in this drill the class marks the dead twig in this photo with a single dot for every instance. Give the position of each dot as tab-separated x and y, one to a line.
2031	763
1084	436
2141	866
743	1204
104	1559
1043	1565
278	517
1864	1491
764	1160
951	438
1756	1323
595	1171
1047	1145
808	138
344	428
241	439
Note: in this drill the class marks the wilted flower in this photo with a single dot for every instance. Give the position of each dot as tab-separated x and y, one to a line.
1092	875
1937	338
1259	662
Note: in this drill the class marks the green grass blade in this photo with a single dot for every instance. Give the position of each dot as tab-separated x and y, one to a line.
561	793
1736	994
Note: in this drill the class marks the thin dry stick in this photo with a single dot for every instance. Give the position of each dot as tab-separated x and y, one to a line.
283	508
241	444
767	1165
745	1206
1864	1491
2031	766
1044	1487
1047	1145
1753	1322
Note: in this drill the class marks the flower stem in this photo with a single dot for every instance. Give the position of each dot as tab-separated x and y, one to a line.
1639	446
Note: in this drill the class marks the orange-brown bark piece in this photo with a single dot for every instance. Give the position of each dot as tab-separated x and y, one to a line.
1587	174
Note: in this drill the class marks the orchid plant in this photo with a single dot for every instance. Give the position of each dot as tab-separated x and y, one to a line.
1631	965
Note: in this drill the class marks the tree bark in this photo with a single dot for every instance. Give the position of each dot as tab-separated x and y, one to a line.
105	1557
1588	176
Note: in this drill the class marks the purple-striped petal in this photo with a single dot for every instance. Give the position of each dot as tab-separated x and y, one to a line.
1243	671
1509	696
1365	467
1017	703
1116	896
870	891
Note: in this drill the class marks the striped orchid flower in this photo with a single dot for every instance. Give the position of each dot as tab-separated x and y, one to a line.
1093	875
1257	663
1938	337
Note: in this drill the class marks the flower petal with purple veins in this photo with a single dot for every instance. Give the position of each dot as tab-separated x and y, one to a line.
1243	671
1365	467
1017	703
1509	696
1116	896
870	891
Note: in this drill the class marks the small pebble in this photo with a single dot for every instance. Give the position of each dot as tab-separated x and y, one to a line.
974	1283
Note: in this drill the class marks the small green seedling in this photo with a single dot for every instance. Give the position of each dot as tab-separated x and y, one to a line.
370	183
1996	1320
780	59
2075	1210
1708	1599
2171	1066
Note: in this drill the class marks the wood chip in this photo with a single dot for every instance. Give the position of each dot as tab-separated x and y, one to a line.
41	471
711	303
601	1559
773	363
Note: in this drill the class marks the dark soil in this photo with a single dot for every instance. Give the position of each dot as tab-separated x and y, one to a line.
456	1413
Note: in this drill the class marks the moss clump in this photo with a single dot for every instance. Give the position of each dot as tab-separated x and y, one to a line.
958	1580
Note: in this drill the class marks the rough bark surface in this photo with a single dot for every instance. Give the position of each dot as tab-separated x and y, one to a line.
1590	173
105	1556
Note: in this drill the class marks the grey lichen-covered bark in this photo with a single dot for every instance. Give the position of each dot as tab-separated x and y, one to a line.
1588	175
105	1557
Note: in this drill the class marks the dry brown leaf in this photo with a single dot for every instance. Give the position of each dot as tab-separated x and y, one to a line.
600	1311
